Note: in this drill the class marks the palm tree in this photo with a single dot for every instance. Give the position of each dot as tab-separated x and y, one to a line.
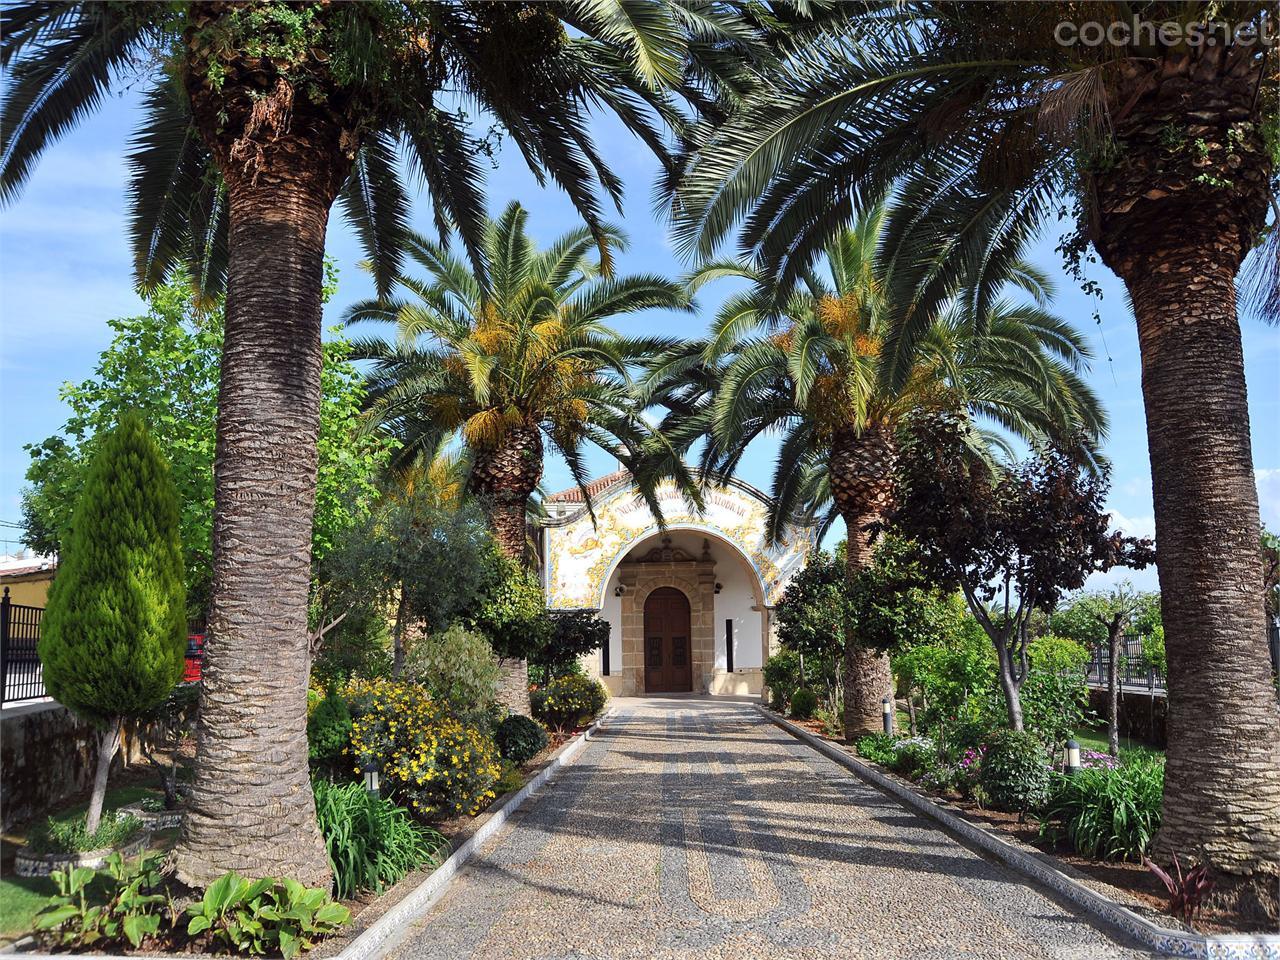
989	121
811	371
508	361
257	117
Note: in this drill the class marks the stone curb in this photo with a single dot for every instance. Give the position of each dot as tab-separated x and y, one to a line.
1177	943
389	929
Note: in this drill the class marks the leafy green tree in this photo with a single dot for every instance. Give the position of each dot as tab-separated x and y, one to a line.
114	633
430	563
1013	540
1055	697
1163	150
258	117
1101	619
165	365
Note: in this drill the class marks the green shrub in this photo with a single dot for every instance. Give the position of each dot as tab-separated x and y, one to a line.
1014	774
513	614
1054	695
1105	813
574	634
103	908
329	730
520	738
803	702
782	676
435	763
372	842
510	780
457	667
912	756
569	701
265	915
70	836
878	748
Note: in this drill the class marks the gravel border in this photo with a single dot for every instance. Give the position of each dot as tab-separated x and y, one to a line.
1163	940
385	933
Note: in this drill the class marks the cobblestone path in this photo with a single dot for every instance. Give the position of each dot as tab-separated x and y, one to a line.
698	829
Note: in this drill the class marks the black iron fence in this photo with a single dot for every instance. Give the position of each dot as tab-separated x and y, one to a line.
21	674
1136	671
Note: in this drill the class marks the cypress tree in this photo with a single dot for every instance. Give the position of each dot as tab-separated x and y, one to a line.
113	637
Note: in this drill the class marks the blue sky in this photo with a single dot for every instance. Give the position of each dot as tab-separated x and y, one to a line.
65	270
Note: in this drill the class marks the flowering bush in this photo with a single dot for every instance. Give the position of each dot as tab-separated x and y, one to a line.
1093	760
968	768
436	764
913	756
568	701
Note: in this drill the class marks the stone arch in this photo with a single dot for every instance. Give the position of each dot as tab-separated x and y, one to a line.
757	584
695	575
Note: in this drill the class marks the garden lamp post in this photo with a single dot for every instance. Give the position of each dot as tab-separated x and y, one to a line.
1073	758
372	784
886	709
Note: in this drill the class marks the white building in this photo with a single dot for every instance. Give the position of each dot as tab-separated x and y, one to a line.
689	606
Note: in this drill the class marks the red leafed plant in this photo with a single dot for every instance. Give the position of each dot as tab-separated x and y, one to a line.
1187	891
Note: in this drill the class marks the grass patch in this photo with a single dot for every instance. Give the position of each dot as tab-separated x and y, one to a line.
1097	740
21	898
116	797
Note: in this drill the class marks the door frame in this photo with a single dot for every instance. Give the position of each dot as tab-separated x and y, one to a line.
669	686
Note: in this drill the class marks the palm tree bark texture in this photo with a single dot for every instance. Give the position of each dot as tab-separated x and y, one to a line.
1176	216
504	476
251	807
860	466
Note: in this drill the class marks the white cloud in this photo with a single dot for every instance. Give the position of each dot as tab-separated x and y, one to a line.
1268	480
1144	526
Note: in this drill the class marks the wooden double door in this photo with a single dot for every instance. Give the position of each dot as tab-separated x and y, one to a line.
668	657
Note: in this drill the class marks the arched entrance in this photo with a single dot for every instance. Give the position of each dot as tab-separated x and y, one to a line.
668	663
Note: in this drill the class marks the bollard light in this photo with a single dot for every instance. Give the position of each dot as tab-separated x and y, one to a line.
886	707
1073	758
372	785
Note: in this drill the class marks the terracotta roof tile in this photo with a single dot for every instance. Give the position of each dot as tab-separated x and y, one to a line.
594	488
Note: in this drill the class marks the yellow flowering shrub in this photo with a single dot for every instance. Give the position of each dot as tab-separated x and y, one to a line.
568	701
434	763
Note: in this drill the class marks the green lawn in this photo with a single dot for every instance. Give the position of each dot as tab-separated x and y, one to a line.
21	898
1090	739
116	797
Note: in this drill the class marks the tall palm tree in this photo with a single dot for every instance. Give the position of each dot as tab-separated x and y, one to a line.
513	359
258	115
811	371
1164	148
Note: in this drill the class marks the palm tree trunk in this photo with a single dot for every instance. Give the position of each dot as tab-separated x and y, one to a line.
1222	777
860	469
251	808
1175	218
504	477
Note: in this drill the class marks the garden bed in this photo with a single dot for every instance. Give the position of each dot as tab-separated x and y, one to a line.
29	895
1130	884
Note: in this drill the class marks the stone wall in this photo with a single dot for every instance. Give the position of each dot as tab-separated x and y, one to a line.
47	754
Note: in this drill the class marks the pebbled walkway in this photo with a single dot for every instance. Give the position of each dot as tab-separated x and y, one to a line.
695	828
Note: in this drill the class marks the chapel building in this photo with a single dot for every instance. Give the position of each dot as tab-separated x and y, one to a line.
690	607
